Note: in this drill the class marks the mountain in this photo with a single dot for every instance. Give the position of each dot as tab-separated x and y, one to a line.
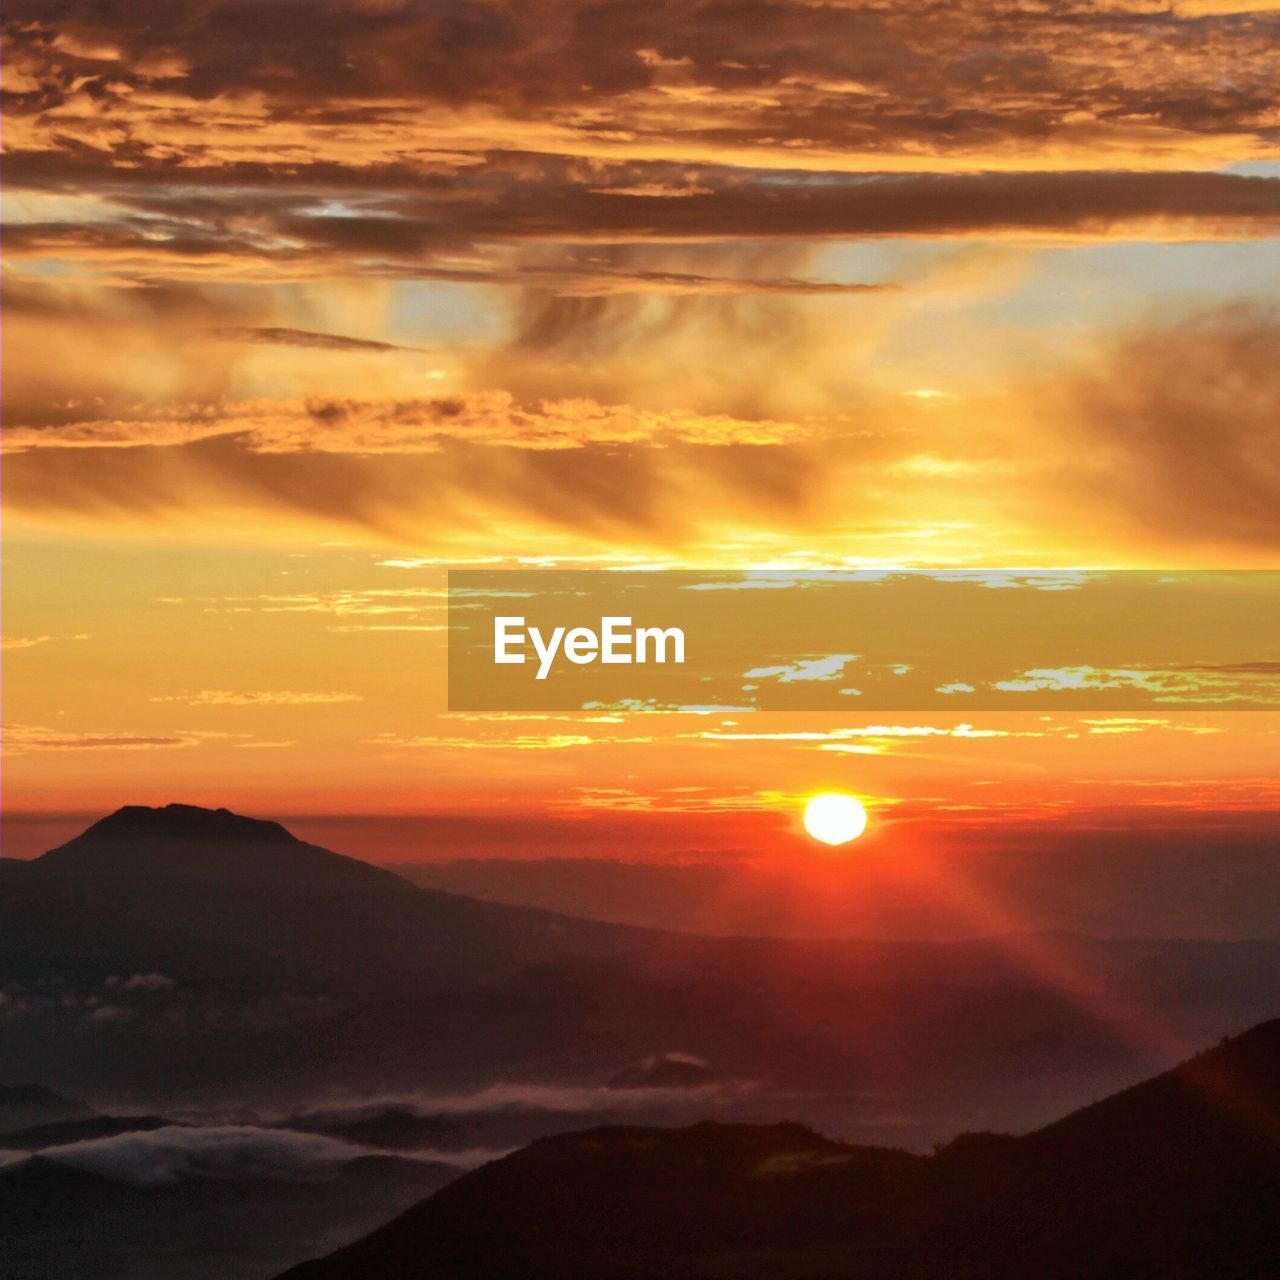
184	844
1156	883
197	893
209	949
390	1127
23	1105
666	1071
1175	1179
180	957
61	1132
59	1221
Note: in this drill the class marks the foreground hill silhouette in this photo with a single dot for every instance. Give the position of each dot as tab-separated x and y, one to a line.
1175	1179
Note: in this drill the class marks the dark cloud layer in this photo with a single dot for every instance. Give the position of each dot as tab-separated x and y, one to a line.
1181	427
276	336
602	490
1174	429
935	74
420	235
417	129
647	183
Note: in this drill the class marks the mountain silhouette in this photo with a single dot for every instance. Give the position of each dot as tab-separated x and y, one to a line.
59	1221
185	844
666	1071
58	1132
193	894
23	1105
1175	1179
177	954
233	952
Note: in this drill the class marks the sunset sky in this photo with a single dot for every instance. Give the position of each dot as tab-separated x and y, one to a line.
307	303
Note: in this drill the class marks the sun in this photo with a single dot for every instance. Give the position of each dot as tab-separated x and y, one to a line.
834	818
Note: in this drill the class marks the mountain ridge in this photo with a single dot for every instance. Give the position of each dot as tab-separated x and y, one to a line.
278	970
1158	1182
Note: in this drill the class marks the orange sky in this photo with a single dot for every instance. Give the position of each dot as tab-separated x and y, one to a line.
299	313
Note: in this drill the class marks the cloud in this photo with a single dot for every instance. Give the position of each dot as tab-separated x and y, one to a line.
510	742
1223	8
305	338
270	698
175	1154
111	1015
511	1096
20	738
23	642
1165	433
535	228
884	733
1238	668
632	198
143	982
1178	425
435	90
497	144
426	424
830	667
1210	684
612	490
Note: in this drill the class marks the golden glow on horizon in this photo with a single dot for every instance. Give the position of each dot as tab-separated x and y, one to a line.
615	290
834	818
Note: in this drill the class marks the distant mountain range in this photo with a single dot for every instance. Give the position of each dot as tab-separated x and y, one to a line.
73	1215
1175	1179
358	1026
1151	883
89	1196
181	954
24	1105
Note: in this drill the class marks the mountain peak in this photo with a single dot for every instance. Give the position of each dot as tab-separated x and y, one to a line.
184	822
190	844
23	1105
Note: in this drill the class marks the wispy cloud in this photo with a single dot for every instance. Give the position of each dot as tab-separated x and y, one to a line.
177	1154
266	698
18	738
830	667
274	335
